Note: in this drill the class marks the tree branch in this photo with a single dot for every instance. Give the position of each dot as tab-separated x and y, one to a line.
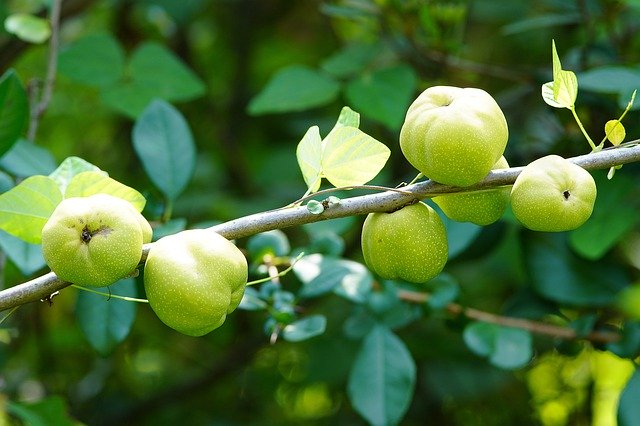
43	286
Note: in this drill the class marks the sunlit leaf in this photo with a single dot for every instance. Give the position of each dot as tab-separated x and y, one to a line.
164	143
89	183
27	27
14	110
309	155
26	208
106	322
615	132
351	157
564	87
69	168
382	378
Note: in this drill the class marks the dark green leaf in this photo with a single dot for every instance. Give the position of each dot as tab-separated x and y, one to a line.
629	344
382	378
14	110
304	328
614	215
558	274
27	159
443	289
460	235
295	88
628	408
106	322
610	79
274	243
251	300
505	347
96	60
384	95
541	22
163	141
27	257
351	60
49	411
171	227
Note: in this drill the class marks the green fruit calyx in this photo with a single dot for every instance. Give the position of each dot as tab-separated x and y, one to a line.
94	241
551	194
409	244
193	279
454	135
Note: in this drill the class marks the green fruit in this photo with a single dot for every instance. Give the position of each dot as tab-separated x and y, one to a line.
453	135
552	194
480	207
410	244
193	279
93	241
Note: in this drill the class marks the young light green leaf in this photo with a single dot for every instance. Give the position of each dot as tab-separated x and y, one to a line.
348	117
26	208
29	28
315	207
305	328
164	143
615	132
382	378
564	87
547	95
351	157
89	183
107	322
14	110
69	168
309	155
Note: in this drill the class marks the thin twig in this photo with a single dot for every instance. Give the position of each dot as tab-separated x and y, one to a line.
40	100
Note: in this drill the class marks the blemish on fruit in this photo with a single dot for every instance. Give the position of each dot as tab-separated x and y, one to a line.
85	235
566	194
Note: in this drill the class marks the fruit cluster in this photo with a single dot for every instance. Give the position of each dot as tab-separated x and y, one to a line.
192	279
456	136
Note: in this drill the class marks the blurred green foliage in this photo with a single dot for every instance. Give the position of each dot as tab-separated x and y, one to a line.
240	82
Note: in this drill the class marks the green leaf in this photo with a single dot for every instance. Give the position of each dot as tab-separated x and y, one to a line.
154	72
26	208
89	183
613	217
541	22
274	243
305	328
14	110
163	141
315	207
564	86
384	95
443	289
106	322
27	257
251	300
611	79
49	411
27	159
559	275
351	60
322	274
295	88
382	378
628	408
615	132
309	155
348	118
69	168
96	60
460	235
351	157
505	347
629	344
29	28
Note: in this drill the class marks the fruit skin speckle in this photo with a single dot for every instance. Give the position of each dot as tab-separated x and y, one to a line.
408	244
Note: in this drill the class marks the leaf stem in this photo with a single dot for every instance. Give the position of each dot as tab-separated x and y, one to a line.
110	296
584	132
626	110
15	308
280	274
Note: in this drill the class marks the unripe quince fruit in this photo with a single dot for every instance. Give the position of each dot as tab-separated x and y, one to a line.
410	243
552	194
480	207
454	135
193	279
95	240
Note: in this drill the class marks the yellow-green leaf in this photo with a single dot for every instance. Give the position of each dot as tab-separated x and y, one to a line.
309	155
26	208
563	90
69	168
89	183
351	157
615	132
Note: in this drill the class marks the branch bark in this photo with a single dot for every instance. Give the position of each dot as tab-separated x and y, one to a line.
45	285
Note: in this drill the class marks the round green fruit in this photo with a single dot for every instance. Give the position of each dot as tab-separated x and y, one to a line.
193	279
410	243
93	241
552	194
454	135
480	207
